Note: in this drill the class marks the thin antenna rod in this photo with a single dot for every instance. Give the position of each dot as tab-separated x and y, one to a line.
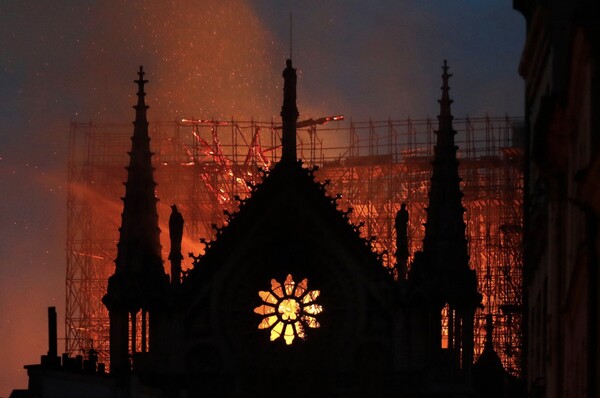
290	35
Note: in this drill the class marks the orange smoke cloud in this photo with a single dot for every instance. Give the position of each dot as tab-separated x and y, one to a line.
209	59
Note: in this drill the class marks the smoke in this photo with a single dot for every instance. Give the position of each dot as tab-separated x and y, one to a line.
71	60
77	61
205	59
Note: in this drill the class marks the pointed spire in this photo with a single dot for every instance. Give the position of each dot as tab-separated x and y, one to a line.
140	217
289	114
139	248
445	239
141	107
139	280
445	133
442	268
445	224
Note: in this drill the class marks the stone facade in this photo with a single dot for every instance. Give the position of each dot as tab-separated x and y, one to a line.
560	67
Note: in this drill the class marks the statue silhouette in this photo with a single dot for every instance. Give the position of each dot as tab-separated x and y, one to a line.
401	226
176	235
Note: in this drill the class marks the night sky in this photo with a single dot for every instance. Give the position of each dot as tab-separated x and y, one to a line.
73	60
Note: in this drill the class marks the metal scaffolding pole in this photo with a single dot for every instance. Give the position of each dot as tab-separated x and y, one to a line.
203	165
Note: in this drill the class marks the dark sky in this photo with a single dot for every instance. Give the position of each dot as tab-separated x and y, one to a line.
65	60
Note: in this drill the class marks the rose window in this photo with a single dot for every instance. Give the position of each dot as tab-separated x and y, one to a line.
288	309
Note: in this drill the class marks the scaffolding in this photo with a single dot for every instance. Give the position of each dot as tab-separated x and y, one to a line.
203	166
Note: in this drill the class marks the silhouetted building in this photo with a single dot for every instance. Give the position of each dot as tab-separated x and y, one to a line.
440	278
289	299
560	66
139	284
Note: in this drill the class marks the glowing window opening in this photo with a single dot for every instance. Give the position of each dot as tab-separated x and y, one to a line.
289	309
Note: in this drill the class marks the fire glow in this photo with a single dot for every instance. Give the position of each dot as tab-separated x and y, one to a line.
207	189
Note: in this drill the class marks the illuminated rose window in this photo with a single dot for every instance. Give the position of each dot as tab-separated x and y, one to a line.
289	309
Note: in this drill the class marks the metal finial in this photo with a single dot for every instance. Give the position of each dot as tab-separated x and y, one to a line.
141	81
445	68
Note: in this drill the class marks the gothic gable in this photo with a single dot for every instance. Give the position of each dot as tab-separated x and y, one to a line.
289	229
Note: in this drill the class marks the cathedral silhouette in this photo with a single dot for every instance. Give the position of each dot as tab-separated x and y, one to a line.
288	300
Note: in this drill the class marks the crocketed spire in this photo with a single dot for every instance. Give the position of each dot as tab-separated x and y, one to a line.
139	281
